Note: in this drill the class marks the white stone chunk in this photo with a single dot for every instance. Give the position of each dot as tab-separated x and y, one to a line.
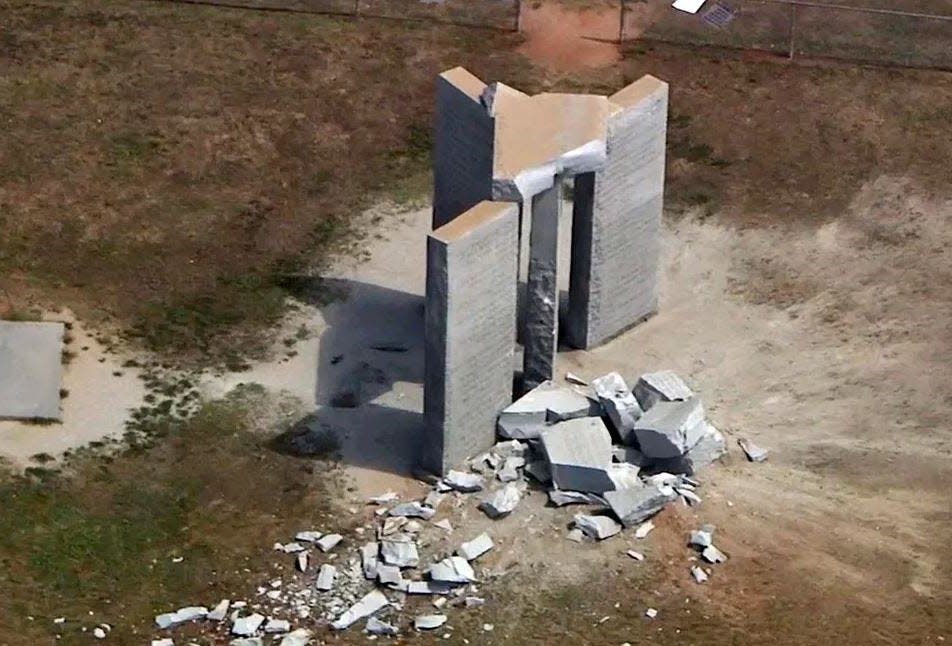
429	622
713	555
299	637
292	548
385	499
560	498
475	548
389	575
700	576
247	641
162	642
276	626
180	616
302	561
219	612
412	510
701	538
663	386
547	403
464	482
368	605
753	452
670	429
246	626
503	501
309	536
402	553
579	452
510	449
378	627
710	448
325	577
619	403
638	556
329	542
428	587
369	559
597	527
632	506
510	469
454	569
651	613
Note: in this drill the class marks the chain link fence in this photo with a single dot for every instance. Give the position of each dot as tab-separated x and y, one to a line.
793	28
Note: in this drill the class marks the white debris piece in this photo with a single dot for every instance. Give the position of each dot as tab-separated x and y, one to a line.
389	575
165	641
575	379
385	498
290	548
510	449
247	626
753	452
445	525
638	556
579	452
688	6
488	628
401	552
663	386
369	561
325	577
464	482
503	501
413	510
309	536
247	641
510	469
428	587
632	506
299	637
624	476
710	448
429	622
302	561
391	525
545	404
597	527
99	633
700	576
475	548
180	616
651	613
713	555
670	429
474	602
329	542
701	538
560	498
689	496
454	569
378	627
368	605
276	626
619	403
219	612
433	499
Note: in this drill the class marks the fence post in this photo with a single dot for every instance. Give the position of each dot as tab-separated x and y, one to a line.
793	31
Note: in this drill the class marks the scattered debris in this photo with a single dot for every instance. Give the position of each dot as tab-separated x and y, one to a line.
597	527
325	577
429	622
302	561
368	605
299	637
277	626
575	379
191	613
385	498
476	547
165	641
445	525
560	498
247	641
400	551
369	561
289	548
390	575
753	452
702	538
99	633
545	404
651	613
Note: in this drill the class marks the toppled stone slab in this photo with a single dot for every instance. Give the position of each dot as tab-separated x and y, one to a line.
753	452
329	542
597	527
663	386
31	369
670	429
632	506
413	510
619	403
711	447
454	569
180	616
464	482
579	452
325	577
400	552
377	627
503	501
560	498
299	637
475	548
247	626
429	622
545	404
368	605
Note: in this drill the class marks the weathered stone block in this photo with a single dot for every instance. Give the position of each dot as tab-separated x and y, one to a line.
31	369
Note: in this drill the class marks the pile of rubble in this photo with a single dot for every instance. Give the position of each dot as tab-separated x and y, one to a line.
625	453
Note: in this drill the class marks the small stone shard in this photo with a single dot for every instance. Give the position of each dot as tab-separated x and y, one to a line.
560	498
510	449
385	498
290	548
713	555
689	496
429	622
503	501
575	379
219	612
181	616
402	553
299	637
247	641
632	506
276	626
545	404
651	613
329	542
575	535
325	577
579	452
412	510
368	605
428	587
700	576
753	452
454	569
711	447
464	482
369	560
670	429
661	386
510	469
392	525
701	538
597	527
162	642
638	556
377	627
475	548
309	536
389	575
247	626
445	525
302	561
619	403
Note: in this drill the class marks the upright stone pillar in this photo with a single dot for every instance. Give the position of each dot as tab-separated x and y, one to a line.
470	332
463	146
540	335
616	228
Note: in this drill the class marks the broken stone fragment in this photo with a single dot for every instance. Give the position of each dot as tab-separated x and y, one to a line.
575	379
413	527
180	616
539	471
624	476
412	510
753	452
619	404
670	429
384	498
392	524
545	404
299	637
308	536
597	527
368	605
474	602
701	539
700	576
378	627
445	525
433	499
429	622
428	587
689	496
389	575
632	506
560	498
400	551
247	641
329	542
510	469
464	482
579	452
290	548
276	626
368	559
510	449
246	626
503	501
219	612
325	577
651	613
663	386
638	556
711	447
162	642
713	555
454	569
475	548
302	561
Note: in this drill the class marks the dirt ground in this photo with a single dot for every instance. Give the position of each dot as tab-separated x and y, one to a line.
806	295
